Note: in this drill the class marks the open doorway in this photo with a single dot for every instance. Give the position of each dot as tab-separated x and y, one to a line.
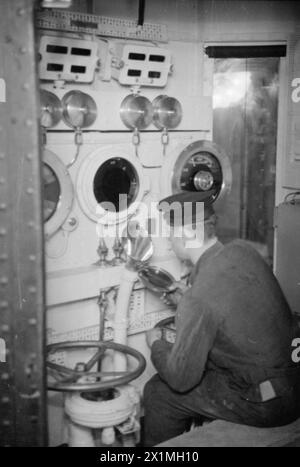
245	118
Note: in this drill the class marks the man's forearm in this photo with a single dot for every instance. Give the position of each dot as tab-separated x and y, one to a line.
160	352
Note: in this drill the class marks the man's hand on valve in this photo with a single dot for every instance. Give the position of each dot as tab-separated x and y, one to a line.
153	335
173	297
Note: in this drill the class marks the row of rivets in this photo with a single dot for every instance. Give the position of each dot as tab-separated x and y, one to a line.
3	232
31	224
29	156
3	257
4	303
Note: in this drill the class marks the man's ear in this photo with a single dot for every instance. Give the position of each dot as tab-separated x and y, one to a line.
177	232
194	237
195	243
189	232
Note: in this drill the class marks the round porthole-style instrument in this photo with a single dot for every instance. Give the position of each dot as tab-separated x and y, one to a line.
110	185
202	166
114	177
58	193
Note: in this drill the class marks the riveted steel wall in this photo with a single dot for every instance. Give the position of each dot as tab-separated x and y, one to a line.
22	375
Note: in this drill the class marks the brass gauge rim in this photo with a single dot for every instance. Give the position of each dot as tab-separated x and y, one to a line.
217	154
66	197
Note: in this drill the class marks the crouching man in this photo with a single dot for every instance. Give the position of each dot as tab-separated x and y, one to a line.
232	356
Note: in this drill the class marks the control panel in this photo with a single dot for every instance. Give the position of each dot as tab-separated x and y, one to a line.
141	65
68	59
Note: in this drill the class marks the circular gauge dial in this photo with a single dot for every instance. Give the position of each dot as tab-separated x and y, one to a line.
52	192
115	177
201	172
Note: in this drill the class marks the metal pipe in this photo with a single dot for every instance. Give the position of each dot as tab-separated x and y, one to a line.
121	316
141	16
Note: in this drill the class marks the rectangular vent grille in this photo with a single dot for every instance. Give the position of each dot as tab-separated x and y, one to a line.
143	66
67	59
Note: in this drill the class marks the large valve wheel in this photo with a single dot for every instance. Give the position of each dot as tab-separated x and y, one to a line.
68	379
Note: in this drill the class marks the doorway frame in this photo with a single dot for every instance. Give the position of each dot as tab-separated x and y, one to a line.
283	107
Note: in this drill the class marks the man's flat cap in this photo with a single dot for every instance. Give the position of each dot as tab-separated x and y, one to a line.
187	207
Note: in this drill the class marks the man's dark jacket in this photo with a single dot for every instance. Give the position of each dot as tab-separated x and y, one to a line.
233	349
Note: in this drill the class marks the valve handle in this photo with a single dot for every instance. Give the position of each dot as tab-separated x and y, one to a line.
68	379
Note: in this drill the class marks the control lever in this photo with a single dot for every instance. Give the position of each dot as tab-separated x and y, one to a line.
118	250
102	251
